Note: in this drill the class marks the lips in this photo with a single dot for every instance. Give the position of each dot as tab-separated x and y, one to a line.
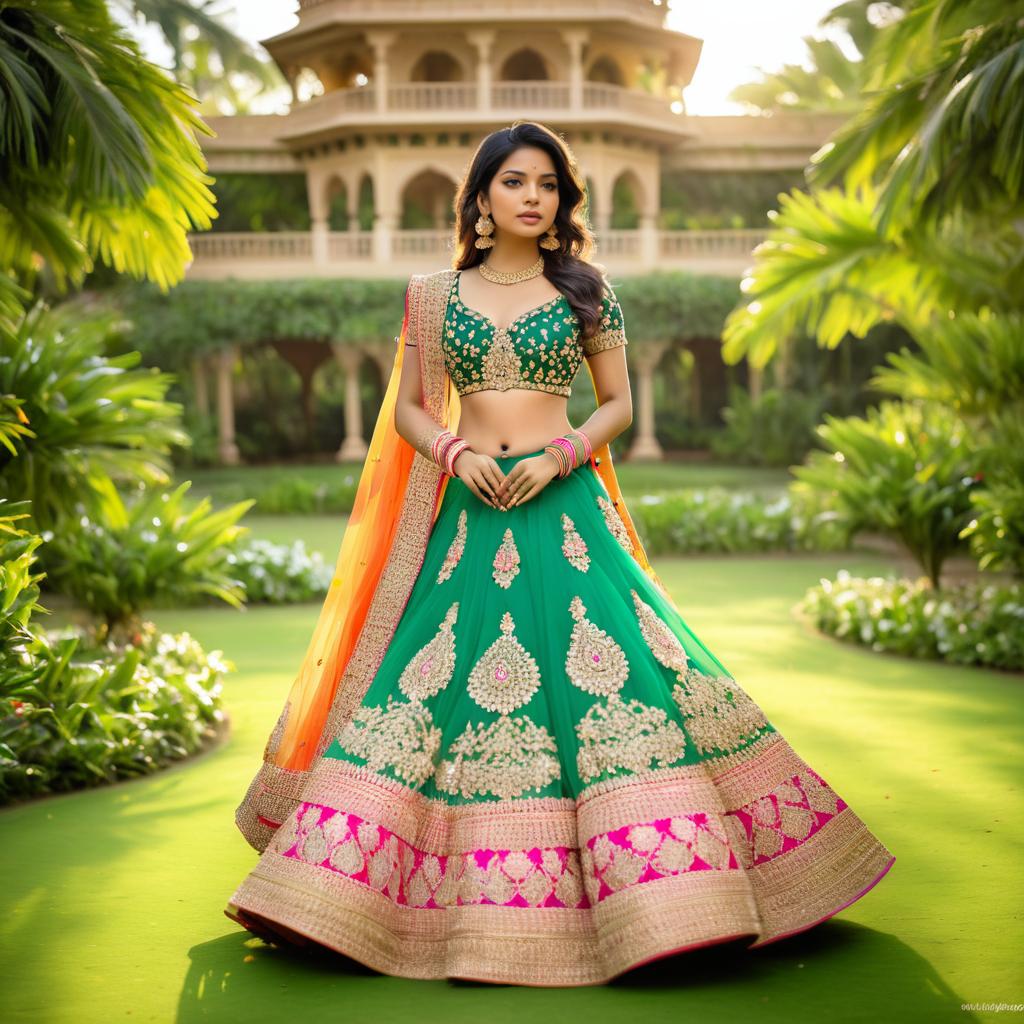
533	217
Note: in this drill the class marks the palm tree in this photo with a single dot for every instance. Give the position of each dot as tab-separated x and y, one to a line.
221	69
833	82
927	215
98	154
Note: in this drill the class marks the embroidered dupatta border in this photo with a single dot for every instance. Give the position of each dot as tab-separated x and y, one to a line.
275	791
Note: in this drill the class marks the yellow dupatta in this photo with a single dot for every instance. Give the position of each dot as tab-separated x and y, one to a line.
382	549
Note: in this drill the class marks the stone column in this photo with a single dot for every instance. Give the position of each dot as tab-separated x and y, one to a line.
649	254
227	450
380	41
318	223
644	362
483	40
385	224
353	447
575	40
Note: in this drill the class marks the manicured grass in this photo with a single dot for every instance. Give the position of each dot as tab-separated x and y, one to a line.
112	907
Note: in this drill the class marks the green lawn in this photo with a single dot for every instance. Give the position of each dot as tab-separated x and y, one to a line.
113	898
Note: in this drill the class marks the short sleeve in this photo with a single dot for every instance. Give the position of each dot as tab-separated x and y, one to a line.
611	331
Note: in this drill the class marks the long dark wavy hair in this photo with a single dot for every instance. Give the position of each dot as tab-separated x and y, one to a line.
568	267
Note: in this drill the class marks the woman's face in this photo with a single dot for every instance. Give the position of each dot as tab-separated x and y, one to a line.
525	183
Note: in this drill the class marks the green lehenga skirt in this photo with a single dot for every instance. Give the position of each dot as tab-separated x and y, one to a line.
551	779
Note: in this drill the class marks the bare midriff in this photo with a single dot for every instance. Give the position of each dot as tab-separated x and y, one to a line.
512	422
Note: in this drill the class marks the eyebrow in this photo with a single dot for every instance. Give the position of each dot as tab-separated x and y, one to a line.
546	174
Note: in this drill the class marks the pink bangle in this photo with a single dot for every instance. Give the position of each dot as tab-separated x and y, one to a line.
453	453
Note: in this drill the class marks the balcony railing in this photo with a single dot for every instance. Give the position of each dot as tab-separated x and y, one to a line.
358	105
377	253
460	10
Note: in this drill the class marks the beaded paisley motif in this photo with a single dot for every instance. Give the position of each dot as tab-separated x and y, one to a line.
574	547
664	644
432	665
625	734
506	758
507	675
506	561
594	662
457	547
614	523
401	735
713	720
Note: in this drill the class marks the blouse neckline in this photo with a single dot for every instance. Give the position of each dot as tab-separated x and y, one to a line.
457	295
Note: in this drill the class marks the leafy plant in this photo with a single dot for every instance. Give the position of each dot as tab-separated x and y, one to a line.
906	469
74	712
280	573
98	155
149	550
967	624
716	520
90	418
775	429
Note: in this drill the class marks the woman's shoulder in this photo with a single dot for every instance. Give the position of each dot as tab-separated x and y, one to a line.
433	275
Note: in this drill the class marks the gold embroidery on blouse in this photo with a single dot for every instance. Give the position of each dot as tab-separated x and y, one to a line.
401	736
431	667
664	644
614	523
507	675
458	545
506	561
540	350
574	547
501	362
506	758
594	662
713	720
625	734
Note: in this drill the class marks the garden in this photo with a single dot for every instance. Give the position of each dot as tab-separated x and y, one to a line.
854	553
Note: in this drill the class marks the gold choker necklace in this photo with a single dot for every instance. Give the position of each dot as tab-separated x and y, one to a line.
501	277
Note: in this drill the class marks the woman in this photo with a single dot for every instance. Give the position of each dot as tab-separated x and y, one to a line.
506	756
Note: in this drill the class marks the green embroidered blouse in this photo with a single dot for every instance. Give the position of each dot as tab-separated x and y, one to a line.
539	351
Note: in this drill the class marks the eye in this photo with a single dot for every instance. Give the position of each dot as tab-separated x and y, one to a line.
550	185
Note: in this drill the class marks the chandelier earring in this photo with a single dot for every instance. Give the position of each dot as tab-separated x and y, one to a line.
484	229
550	239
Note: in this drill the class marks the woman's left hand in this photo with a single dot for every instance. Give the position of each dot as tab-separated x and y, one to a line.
526	479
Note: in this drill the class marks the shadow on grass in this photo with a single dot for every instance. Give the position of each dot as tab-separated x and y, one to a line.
837	971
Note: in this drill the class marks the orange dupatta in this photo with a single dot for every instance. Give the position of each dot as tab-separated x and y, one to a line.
382	549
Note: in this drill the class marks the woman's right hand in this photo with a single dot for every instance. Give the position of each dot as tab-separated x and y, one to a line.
481	474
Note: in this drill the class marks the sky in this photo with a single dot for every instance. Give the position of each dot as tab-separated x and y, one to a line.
739	36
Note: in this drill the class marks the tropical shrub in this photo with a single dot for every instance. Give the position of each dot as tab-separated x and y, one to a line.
775	429
968	624
716	521
77	712
149	550
87	418
905	469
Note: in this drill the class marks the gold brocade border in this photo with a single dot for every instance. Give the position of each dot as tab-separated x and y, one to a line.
518	945
834	867
549	945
